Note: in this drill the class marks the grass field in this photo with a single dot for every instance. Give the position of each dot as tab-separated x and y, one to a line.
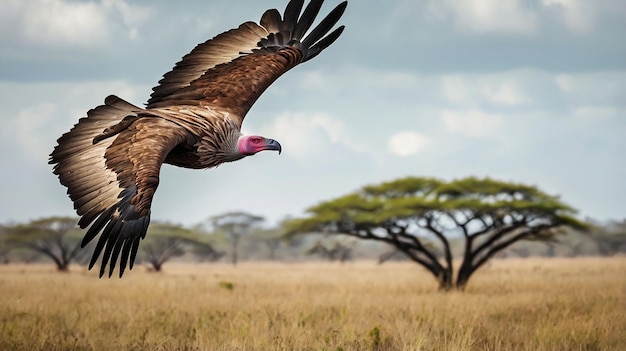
534	304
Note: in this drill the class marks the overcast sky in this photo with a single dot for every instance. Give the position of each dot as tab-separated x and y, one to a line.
531	91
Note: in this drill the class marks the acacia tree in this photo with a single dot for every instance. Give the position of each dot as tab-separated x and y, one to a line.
341	252
272	239
235	225
165	241
57	238
420	216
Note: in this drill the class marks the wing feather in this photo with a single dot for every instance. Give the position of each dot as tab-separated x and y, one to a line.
325	25
307	18
271	21
229	72
112	181
110	160
218	50
292	12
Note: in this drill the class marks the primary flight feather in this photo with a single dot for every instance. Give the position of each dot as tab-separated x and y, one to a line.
110	161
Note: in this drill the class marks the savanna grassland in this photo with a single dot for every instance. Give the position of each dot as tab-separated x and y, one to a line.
533	304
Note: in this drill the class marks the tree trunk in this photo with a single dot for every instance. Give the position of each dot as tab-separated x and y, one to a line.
235	242
465	271
445	281
462	279
272	245
157	266
63	267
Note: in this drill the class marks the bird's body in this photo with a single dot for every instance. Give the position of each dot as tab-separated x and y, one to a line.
110	161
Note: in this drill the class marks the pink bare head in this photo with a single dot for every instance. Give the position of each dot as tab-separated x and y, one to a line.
251	144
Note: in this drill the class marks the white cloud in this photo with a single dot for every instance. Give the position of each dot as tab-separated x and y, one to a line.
400	80
503	88
494	16
407	143
456	88
132	15
472	123
29	127
506	94
565	82
322	81
576	14
60	22
69	23
597	88
310	135
314	80
38	113
522	17
595	113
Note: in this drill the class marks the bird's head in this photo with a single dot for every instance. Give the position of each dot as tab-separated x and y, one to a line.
251	144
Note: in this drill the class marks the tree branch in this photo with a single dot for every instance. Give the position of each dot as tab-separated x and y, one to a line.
446	244
44	250
506	243
495	237
432	265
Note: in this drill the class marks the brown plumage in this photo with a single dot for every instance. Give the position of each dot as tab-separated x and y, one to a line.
110	161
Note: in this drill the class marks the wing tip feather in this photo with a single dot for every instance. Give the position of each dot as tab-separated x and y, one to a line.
119	242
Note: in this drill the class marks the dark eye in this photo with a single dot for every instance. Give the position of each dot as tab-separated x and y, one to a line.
256	140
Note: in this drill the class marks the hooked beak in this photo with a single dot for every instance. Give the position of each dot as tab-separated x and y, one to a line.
273	145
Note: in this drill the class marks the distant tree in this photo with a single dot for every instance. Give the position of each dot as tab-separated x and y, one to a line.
206	252
57	238
271	239
272	244
5	246
165	241
610	238
410	213
235	225
389	255
337	251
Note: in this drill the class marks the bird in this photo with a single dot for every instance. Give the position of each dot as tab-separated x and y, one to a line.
111	159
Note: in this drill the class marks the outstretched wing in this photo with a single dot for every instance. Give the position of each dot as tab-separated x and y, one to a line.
230	71
110	163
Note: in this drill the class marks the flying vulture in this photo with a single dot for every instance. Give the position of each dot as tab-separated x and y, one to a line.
110	160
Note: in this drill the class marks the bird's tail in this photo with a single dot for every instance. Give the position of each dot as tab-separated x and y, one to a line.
292	28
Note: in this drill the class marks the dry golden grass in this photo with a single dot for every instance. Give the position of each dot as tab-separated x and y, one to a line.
536	304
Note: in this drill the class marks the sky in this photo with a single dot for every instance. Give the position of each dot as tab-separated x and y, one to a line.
528	91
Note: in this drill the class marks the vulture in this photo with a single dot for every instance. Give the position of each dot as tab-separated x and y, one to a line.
110	160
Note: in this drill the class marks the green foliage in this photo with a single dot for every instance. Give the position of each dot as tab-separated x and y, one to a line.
412	197
227	285
374	337
162	230
165	241
44	229
409	186
57	238
490	215
235	225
